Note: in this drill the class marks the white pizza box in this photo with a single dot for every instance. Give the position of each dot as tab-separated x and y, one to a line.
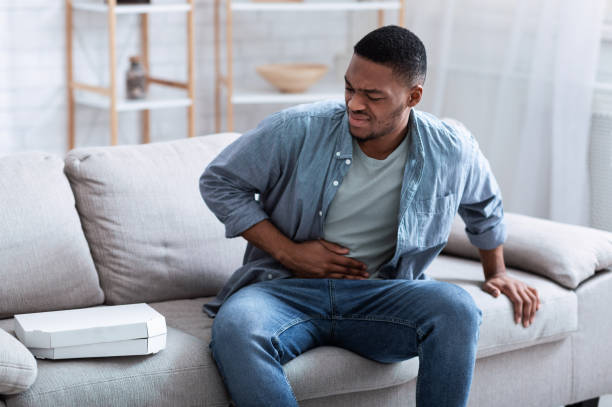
130	347
86	326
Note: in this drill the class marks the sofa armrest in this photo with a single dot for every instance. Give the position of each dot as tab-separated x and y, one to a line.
566	254
17	365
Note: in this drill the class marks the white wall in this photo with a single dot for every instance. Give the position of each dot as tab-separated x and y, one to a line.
33	79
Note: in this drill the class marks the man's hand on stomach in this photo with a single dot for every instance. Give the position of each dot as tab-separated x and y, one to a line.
322	259
310	259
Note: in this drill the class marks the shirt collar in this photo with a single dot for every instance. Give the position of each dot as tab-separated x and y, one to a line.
344	143
417	151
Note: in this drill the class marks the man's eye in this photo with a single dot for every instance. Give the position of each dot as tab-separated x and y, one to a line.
348	89
374	99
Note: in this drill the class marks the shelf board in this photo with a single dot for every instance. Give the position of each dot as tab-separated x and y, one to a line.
132	9
272	96
316	6
126	105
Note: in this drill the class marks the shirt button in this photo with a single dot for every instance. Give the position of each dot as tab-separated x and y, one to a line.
347	162
337	153
335	183
269	276
320	213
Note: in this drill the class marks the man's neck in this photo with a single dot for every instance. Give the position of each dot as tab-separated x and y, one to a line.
381	147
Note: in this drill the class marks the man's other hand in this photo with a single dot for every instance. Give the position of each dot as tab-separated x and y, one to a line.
323	259
524	298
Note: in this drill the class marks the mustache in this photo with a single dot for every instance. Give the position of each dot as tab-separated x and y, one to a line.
357	113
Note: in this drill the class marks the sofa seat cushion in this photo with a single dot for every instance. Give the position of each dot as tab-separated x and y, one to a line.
151	235
320	372
187	316
556	318
17	365
183	374
45	263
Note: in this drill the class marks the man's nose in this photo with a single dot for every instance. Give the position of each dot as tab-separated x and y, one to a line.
355	102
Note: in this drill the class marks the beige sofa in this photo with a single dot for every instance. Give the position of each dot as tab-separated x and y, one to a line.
114	225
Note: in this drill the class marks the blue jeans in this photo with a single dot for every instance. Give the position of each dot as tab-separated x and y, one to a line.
265	325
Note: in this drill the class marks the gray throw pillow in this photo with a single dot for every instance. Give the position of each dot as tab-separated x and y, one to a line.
17	365
567	254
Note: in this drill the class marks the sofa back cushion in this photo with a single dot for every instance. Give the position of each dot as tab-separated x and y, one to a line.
567	254
151	235
45	263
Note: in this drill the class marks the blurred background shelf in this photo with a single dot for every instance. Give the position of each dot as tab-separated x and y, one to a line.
317	6
131	9
272	96
108	97
154	100
225	82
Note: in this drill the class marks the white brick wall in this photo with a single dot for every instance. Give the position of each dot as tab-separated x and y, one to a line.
33	79
32	66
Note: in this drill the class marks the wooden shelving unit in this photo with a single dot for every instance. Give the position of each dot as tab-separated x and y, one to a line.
107	97
236	96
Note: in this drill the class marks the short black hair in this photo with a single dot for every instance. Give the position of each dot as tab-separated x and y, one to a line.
397	48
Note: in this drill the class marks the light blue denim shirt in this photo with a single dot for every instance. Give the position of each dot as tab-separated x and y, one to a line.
296	159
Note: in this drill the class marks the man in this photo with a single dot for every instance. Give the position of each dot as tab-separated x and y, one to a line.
354	202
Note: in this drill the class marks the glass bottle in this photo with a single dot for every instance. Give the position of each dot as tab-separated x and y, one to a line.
136	79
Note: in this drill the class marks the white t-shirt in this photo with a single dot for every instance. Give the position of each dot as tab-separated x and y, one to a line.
363	215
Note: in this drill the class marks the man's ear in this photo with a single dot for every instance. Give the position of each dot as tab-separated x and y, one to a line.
414	97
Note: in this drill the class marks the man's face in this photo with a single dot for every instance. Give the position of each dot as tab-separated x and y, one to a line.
377	102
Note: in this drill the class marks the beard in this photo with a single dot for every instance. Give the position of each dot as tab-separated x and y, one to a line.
383	129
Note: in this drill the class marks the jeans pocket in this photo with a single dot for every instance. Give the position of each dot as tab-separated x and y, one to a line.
435	218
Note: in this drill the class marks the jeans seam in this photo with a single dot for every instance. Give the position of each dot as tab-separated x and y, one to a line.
289	384
275	338
332	312
397	321
291	324
418	382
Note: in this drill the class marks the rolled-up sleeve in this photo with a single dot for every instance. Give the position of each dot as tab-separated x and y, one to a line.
481	205
248	166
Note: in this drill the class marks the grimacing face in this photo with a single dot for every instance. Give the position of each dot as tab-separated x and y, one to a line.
377	102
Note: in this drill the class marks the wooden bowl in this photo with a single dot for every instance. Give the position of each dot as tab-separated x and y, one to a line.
292	78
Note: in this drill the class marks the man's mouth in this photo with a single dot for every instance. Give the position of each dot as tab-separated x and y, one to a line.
358	120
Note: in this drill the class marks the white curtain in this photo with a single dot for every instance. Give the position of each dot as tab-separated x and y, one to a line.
520	75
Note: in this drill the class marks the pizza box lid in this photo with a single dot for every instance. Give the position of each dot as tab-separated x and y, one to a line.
89	325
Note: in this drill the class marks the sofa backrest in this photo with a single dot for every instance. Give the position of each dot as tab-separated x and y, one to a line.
45	263
151	235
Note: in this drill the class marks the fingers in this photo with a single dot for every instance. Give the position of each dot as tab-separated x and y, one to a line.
346	271
491	289
517	302
355	265
525	304
533	304
349	266
528	304
332	247
345	276
535	292
323	259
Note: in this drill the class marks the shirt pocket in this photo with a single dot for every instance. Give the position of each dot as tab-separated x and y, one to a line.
434	219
